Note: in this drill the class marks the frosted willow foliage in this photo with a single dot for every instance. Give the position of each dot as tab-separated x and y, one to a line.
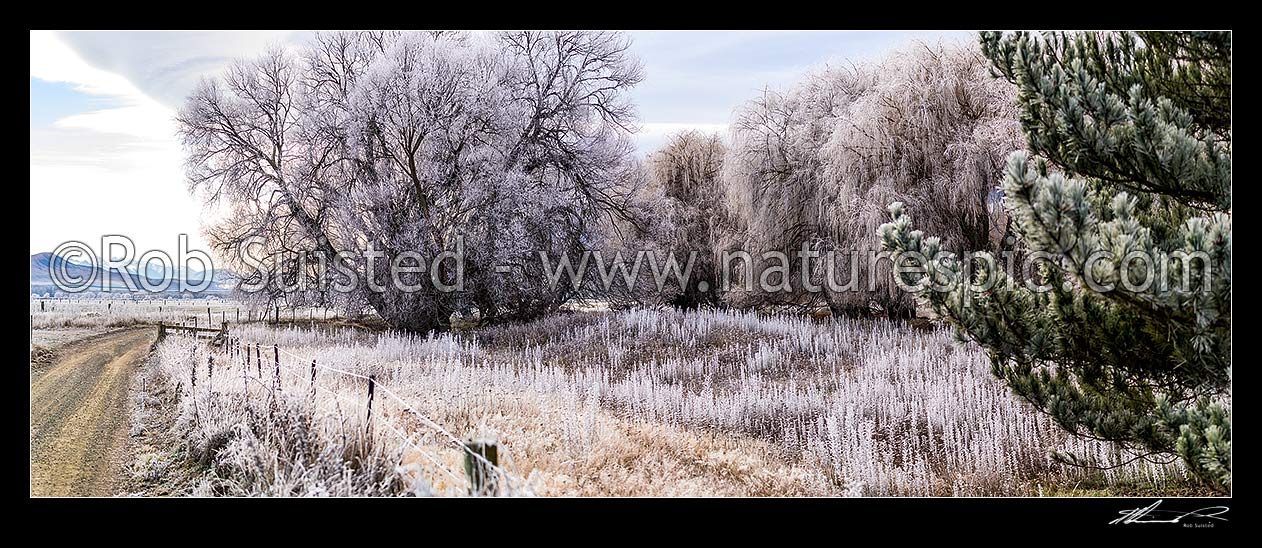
501	145
687	171
675	222
1133	351
819	163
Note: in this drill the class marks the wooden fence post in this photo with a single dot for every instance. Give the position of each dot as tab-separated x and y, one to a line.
482	477
258	359
372	387
313	379
276	351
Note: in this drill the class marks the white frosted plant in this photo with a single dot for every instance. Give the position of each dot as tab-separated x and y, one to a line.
849	407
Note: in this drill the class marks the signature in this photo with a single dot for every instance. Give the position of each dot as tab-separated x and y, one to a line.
1150	514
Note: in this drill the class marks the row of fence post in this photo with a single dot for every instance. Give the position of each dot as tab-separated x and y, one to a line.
223	314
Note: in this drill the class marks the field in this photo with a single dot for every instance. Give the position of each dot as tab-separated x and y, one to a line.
65	313
639	402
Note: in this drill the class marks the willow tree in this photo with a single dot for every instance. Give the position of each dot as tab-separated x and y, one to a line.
687	168
816	165
1124	332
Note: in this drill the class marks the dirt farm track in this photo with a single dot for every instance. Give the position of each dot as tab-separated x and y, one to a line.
79	414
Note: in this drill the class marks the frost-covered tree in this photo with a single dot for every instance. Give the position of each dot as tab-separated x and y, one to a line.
687	168
819	163
498	145
1126	189
618	242
772	177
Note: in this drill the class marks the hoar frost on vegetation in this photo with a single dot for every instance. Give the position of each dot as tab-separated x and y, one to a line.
640	402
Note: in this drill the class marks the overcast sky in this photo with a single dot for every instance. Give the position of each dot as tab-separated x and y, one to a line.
104	158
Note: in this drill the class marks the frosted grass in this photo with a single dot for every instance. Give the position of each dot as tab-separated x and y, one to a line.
629	402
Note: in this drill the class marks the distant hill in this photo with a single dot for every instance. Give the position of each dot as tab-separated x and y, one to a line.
44	264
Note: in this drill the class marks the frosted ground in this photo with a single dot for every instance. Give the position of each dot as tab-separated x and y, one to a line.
642	402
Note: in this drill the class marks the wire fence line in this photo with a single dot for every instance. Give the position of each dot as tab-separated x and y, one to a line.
283	367
402	435
237	351
425	420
